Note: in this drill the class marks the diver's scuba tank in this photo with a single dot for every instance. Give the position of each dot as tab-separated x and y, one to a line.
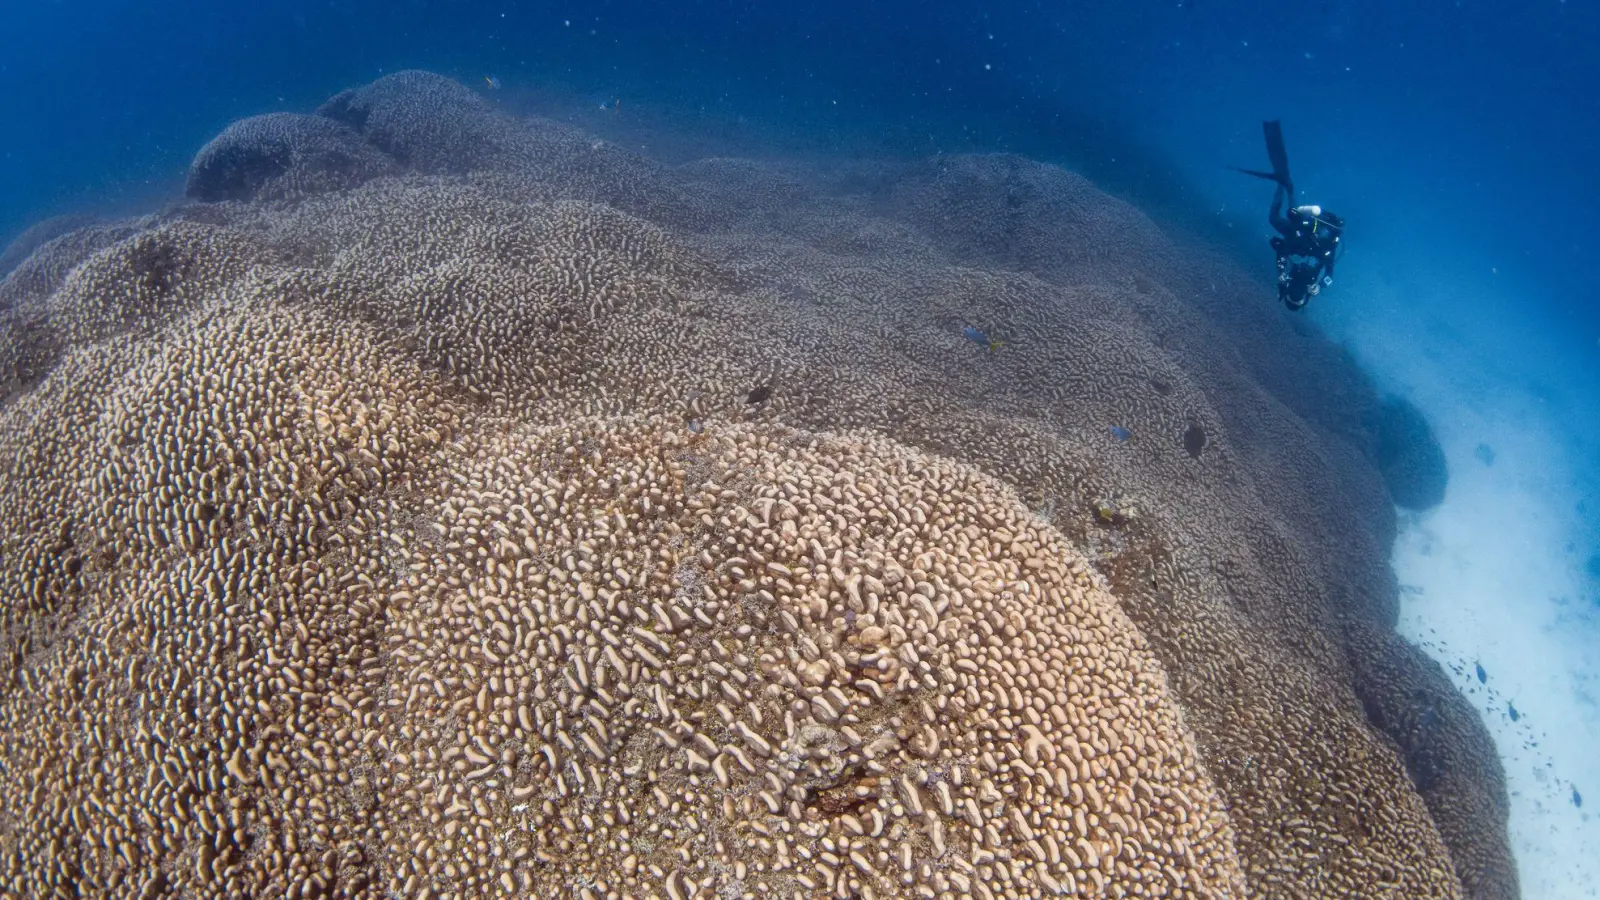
1328	225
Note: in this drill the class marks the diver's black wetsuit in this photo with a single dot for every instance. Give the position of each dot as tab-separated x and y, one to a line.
1307	247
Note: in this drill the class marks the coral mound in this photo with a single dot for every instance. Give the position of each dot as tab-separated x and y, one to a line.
282	154
25	244
1409	455
424	120
607	653
516	516
759	661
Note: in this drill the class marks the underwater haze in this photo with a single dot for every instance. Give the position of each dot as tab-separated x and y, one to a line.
1451	369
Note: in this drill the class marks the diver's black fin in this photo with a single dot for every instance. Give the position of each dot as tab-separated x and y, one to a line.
1278	156
1276	153
1270	176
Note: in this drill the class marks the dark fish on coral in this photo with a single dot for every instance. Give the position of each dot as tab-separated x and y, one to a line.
758	394
1120	433
1483	677
1511	709
1194	440
977	336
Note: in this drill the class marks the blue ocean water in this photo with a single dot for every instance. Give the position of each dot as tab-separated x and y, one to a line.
1456	138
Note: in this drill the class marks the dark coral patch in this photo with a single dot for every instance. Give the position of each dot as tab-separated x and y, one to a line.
1408	455
280	155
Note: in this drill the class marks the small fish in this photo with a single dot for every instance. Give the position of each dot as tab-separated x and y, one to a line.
758	394
1108	513
1120	433
611	105
1511	708
1577	798
492	82
1483	677
973	334
696	426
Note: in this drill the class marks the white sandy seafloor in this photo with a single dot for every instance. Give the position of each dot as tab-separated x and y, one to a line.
1494	576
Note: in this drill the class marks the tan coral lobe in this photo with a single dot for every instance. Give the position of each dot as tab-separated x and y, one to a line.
673	728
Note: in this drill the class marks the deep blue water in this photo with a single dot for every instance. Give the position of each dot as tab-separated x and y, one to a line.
1458	138
1480	111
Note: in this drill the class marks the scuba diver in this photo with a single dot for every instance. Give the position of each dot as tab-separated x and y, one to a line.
1307	246
1308	238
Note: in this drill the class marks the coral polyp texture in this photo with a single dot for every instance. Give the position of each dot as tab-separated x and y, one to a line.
759	661
446	504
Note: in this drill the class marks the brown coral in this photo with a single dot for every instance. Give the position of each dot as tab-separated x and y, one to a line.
314	498
572	623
